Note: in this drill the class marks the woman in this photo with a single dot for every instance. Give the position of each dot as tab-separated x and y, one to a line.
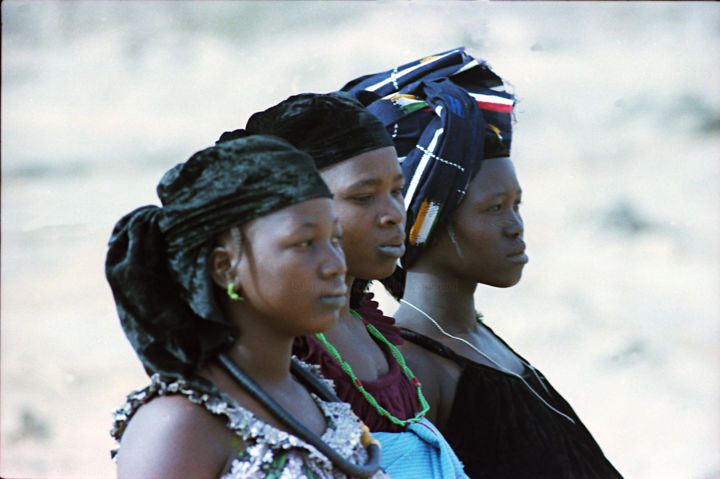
451	121
211	289
357	160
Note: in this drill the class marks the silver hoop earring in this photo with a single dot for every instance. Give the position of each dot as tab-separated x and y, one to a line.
451	233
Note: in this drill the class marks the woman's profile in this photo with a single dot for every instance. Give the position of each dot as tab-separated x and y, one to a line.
451	120
356	158
211	289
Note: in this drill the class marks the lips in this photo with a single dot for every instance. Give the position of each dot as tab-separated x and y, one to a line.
340	291
518	256
392	251
394	247
335	298
332	300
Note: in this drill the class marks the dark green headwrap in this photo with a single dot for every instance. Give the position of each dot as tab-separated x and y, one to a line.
157	259
330	127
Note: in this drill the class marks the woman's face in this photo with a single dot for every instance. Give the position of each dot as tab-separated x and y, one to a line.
292	269
369	203
487	228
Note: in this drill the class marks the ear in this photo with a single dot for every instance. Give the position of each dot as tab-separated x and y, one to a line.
221	265
223	261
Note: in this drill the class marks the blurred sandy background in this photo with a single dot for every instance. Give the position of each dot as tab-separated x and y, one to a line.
616	146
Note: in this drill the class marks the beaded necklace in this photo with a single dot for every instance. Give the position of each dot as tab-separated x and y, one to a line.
358	384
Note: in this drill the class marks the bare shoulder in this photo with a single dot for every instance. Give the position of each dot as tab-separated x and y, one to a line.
438	376
434	366
172	437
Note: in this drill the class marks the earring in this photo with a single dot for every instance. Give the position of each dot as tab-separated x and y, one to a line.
232	294
451	232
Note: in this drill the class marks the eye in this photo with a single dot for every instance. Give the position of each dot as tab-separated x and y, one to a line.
494	208
304	244
361	199
516	205
337	239
397	192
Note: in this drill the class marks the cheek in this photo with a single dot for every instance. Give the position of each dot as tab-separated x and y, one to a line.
481	236
356	225
282	287
272	271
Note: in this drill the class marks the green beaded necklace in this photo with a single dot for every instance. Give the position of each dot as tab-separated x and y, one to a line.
398	357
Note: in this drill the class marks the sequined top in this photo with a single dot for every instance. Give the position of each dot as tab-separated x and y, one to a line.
270	452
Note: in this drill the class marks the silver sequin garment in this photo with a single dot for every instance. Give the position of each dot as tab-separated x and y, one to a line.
268	447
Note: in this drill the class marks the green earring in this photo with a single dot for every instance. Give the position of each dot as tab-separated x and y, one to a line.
232	294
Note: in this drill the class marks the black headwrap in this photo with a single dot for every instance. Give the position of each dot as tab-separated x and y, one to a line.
330	127
157	260
446	113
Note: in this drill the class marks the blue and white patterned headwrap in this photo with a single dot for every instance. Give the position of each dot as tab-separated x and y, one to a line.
445	113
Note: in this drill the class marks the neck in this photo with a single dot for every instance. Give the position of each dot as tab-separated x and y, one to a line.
345	310
263	354
266	362
348	325
445	298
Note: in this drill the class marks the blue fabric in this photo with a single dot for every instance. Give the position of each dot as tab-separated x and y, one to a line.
445	113
420	452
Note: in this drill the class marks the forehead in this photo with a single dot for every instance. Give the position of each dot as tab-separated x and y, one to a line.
310	213
379	164
496	176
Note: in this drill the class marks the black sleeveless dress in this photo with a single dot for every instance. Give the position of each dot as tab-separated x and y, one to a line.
500	429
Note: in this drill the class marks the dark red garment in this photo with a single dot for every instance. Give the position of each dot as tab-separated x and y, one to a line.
394	391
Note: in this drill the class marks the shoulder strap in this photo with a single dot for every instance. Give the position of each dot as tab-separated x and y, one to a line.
432	345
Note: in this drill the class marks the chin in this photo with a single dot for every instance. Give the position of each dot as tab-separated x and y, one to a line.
387	270
380	271
503	282
386	273
509	284
324	324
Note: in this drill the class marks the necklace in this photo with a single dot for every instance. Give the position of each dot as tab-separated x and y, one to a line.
498	366
358	384
299	429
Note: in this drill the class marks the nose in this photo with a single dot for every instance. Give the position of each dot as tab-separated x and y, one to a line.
392	212
333	263
514	227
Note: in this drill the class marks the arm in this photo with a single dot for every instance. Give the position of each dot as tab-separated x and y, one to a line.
170	437
438	376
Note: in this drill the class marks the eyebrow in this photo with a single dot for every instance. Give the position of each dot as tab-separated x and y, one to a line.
314	224
375	181
504	193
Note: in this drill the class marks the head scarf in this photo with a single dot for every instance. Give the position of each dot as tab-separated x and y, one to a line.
330	127
157	262
445	113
